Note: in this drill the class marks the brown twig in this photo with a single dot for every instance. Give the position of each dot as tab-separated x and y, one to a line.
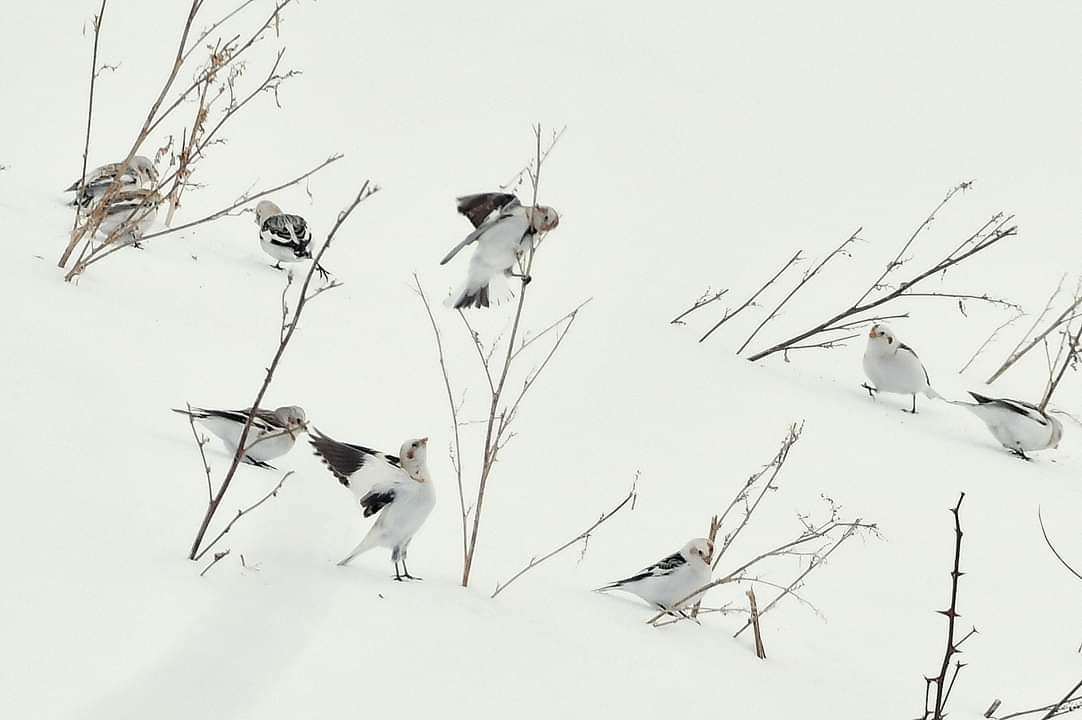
242	513
366	191
89	114
1066	316
1070	359
705	299
583	536
991	337
730	315
1052	547
201	442
760	651
217	556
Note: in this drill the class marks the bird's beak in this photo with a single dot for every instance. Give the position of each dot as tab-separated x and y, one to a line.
424	441
872	333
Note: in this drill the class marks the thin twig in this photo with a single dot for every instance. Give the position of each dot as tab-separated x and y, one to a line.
217	556
730	315
242	513
1064	317
1052	547
991	337
201	443
89	114
705	299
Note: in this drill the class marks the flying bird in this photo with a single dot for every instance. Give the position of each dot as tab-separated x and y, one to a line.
140	175
503	229
398	488
1019	426
894	367
667	583
271	435
129	214
283	236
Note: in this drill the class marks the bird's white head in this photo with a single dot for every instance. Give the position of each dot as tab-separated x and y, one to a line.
264	210
414	454
700	548
144	169
543	218
882	338
293	417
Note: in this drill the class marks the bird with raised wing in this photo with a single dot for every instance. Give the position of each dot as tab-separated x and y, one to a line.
284	236
271	435
667	583
141	174
503	230
399	488
1019	426
894	367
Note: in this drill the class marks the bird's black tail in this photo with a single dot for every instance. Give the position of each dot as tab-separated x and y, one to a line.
478	298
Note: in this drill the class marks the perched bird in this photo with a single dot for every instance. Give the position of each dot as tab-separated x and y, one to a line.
503	229
399	488
668	582
129	214
285	237
271	435
1019	426
141	174
894	367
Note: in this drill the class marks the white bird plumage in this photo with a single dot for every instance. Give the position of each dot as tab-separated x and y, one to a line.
1019	426
271	435
894	367
129	214
503	230
283	236
667	583
141	174
398	488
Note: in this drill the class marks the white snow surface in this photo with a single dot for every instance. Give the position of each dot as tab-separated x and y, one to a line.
705	144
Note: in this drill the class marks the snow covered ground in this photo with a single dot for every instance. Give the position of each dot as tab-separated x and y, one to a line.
704	146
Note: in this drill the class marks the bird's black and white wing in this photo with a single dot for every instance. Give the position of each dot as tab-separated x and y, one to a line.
1019	407
485	211
264	420
375	478
911	351
663	567
288	231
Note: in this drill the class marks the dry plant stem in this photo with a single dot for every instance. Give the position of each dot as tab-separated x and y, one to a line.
456	460
89	112
242	513
705	299
1066	698
760	651
581	537
217	557
986	343
1066	316
1052	547
730	315
367	190
1061	708
206	33
110	248
1071	357
840	250
201	442
993	231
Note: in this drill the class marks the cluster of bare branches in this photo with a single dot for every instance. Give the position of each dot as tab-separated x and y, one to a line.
814	543
935	705
217	98
288	328
583	537
497	358
883	290
1068	703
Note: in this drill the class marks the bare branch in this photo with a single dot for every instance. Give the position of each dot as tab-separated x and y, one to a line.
730	315
217	556
1068	315
705	299
1069	360
991	337
239	515
1053	547
201	442
89	112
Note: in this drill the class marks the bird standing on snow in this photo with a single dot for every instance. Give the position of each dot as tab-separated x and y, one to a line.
1019	426
285	237
503	229
399	488
271	435
894	367
141	174
669	581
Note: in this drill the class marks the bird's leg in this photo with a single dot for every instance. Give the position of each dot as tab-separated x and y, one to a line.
1021	454
526	279
871	391
914	410
277	266
406	571
397	574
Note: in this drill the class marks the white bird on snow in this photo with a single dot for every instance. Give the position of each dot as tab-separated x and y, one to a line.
271	435
1019	426
894	367
669	581
141	174
399	488
284	236
503	229
129	214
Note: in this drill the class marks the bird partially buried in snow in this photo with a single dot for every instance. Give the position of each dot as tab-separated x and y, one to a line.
271	435
399	488
503	230
129	214
667	583
284	236
894	367
1019	426
140	175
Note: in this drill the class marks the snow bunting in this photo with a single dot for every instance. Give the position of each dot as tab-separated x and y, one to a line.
129	214
285	237
669	581
503	229
399	488
894	367
141	174
271	435
1019	426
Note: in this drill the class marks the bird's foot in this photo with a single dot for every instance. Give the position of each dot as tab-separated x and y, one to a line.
323	273
871	391
277	266
907	410
398	578
138	245
407	576
1021	454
